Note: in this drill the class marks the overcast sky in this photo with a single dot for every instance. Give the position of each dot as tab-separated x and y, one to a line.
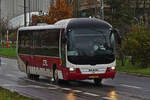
13	8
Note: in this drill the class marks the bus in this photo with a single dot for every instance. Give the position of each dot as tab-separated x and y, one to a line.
70	49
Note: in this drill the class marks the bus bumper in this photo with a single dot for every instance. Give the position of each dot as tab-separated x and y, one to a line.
79	76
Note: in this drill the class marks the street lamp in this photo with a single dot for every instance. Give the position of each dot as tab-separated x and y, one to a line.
25	23
29	13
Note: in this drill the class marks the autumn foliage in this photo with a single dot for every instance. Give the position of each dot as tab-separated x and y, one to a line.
57	11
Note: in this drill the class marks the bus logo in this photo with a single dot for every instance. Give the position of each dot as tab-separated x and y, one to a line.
45	63
93	70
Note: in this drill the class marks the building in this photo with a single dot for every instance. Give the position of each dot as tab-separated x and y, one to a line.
86	8
13	8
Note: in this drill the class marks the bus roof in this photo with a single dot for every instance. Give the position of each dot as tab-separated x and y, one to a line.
72	22
40	27
80	22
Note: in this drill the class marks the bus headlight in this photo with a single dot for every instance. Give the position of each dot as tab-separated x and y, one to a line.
113	68
71	69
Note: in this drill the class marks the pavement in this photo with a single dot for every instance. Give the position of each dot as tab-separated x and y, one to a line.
123	87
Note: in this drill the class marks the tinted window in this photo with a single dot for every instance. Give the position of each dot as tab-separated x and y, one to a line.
89	46
46	42
24	42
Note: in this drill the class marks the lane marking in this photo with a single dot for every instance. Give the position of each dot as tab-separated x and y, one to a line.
48	84
10	75
20	86
106	98
52	88
3	63
77	91
68	89
130	86
91	94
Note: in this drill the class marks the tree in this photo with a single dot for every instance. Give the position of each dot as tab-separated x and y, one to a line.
92	6
56	12
3	28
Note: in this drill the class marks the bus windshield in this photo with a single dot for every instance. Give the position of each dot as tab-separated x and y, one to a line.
90	46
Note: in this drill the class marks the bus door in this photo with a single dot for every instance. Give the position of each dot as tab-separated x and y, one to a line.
37	49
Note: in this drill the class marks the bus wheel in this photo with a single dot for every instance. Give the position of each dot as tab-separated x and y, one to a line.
29	76
98	82
55	76
33	77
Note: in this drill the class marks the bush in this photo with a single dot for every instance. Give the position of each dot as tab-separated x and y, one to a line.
137	44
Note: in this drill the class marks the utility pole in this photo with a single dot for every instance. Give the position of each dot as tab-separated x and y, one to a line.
25	15
29	13
0	22
102	9
76	7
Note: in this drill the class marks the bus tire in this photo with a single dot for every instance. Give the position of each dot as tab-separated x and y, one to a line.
98	82
32	76
55	75
29	76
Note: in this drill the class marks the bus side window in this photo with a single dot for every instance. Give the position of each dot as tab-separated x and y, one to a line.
37	42
46	43
24	42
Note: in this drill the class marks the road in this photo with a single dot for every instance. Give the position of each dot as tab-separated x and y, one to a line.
123	87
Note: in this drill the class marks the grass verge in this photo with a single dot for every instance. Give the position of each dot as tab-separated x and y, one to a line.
8	52
129	68
8	95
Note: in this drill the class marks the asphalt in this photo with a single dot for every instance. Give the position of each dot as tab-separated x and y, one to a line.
123	87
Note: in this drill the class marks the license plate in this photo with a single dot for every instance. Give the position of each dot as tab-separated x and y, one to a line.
93	76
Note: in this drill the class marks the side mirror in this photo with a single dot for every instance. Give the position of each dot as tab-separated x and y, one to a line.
64	37
64	40
117	35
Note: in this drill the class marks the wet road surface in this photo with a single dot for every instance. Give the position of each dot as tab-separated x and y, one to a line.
123	87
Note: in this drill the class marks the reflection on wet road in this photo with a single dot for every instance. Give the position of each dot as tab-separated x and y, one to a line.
71	96
112	95
123	87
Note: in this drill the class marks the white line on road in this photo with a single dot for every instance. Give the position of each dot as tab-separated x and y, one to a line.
52	88
77	91
20	86
130	86
106	98
68	89
91	94
48	84
4	63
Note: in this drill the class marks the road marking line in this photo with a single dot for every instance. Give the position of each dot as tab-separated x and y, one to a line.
91	94
41	83
4	63
52	88
68	89
35	86
130	86
106	98
10	75
77	91
52	85
27	86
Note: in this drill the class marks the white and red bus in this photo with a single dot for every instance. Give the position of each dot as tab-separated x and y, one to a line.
70	49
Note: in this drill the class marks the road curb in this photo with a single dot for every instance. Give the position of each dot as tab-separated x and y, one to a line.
135	74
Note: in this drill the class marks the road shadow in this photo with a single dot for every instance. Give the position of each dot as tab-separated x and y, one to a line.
70	84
